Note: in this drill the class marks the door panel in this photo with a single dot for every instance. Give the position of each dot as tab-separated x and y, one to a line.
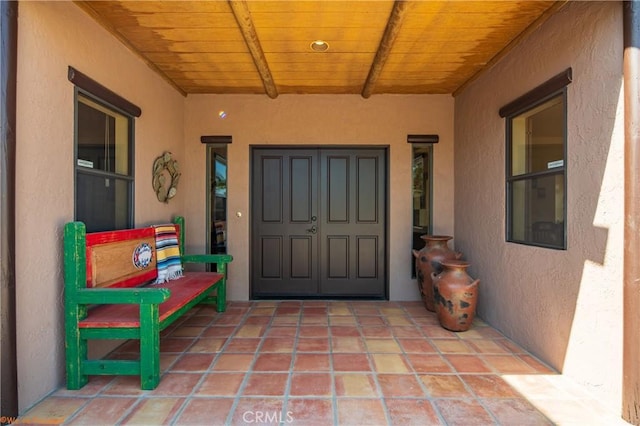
318	224
352	229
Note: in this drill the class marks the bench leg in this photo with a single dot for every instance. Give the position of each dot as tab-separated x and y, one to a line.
221	296
76	354
149	347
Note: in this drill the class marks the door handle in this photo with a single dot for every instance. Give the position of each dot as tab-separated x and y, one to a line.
313	229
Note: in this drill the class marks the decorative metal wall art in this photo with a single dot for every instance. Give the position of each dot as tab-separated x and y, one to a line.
165	177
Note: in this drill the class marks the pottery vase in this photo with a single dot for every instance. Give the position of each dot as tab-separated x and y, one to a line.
428	261
456	295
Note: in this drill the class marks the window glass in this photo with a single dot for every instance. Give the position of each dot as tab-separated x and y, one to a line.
536	183
421	190
104	178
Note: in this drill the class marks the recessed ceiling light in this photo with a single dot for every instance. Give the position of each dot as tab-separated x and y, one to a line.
319	46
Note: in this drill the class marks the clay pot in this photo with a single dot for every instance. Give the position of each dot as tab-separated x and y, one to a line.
428	261
456	295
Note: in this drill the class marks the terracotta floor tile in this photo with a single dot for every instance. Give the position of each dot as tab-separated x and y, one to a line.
193	362
508	364
342	320
309	412
429	363
382	346
219	331
489	332
445	386
390	363
287	320
345	331
515	412
411	412
437	332
266	384
233	362
278	344
339	310
468	364
368	331
400	386
154	411
457	412
489	386
472	333
207	345
229	319
103	410
205	411
365	310
220	384
398	320
315	311
258	321
250	330
390	311
312	362
355	385
347	344
487	346
176	384
360	412
242	345
167	360
197	320
187	331
262	311
313	331
416	345
409	332
315	320
95	385
124	386
452	346
350	362
179	345
288	310
54	409
259	412
371	321
313	345
537	365
311	384
282	331
272	362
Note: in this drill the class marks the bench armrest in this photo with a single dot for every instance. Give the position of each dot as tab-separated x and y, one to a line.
206	258
121	295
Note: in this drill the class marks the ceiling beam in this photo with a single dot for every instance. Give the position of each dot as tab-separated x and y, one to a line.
243	17
388	38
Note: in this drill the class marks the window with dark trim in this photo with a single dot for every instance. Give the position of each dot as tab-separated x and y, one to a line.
104	141
536	135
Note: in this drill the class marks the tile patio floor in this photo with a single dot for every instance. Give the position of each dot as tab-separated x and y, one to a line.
329	363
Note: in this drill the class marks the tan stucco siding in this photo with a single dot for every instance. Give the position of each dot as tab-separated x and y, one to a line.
564	306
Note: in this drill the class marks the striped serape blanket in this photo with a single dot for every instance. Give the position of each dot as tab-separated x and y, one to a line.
167	253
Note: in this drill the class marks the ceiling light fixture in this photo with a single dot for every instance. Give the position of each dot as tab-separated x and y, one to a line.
319	46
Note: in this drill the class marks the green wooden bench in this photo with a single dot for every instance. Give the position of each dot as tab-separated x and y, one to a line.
110	294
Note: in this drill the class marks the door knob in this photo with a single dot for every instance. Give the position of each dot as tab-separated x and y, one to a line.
313	218
313	229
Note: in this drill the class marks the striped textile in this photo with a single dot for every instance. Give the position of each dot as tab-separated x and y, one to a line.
167	253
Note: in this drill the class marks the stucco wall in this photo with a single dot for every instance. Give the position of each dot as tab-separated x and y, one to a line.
564	306
319	120
52	36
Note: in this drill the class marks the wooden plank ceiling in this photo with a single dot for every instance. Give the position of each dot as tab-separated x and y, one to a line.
375	47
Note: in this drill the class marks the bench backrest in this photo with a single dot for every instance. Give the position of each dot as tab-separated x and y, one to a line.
124	258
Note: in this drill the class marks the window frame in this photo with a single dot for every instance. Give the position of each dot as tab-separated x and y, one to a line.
78	170
535	100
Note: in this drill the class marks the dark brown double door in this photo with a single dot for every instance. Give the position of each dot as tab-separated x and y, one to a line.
318	222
